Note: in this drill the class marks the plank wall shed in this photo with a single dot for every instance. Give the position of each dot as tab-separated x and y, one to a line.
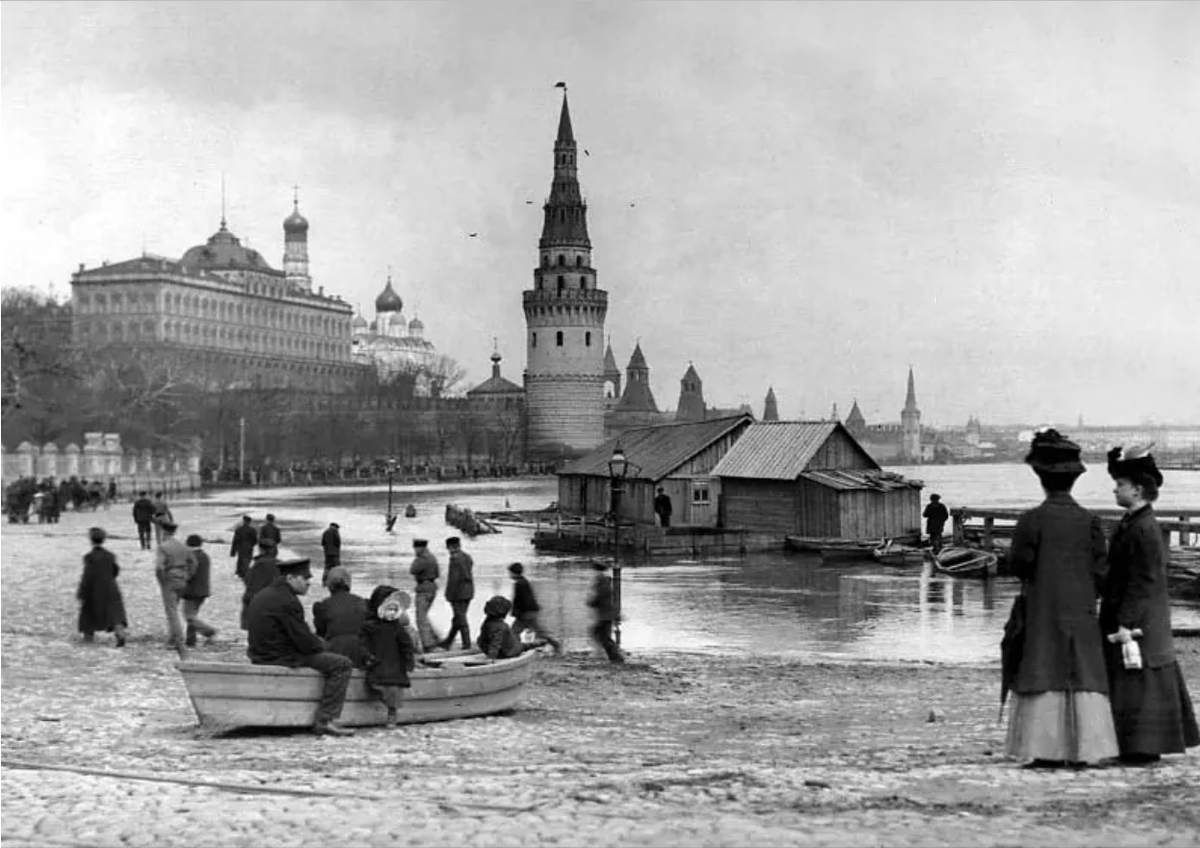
812	478
679	457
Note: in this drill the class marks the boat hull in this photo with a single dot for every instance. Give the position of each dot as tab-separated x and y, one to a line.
966	562
244	695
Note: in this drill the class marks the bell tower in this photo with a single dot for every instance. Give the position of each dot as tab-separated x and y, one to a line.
910	424
564	319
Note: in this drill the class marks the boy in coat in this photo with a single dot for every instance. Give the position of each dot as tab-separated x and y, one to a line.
197	593
495	638
387	649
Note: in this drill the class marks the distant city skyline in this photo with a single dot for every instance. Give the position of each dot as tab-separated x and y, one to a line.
810	197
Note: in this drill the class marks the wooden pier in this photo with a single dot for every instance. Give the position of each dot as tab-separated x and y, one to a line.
984	526
576	534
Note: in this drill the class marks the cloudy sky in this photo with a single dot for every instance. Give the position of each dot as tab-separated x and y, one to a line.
1005	196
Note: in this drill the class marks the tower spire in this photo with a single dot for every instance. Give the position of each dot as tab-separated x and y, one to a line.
223	200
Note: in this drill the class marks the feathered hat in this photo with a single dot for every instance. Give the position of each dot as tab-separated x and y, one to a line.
1051	451
1134	464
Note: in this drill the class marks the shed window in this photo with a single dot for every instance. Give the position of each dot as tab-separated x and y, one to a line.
700	495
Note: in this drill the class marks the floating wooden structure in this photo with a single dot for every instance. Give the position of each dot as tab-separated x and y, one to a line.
244	695
965	562
467	521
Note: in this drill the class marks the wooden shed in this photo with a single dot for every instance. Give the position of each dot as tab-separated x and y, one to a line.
679	457
812	478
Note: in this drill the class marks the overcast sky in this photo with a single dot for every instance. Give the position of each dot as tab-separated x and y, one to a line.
1005	196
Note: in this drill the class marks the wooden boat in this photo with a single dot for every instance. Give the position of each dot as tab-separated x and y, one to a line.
444	686
848	550
965	562
894	553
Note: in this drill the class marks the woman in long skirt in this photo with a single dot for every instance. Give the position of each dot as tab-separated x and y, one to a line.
100	604
1060	712
1151	706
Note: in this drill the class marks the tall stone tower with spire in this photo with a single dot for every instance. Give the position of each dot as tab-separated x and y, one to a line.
691	405
770	406
910	424
564	320
295	247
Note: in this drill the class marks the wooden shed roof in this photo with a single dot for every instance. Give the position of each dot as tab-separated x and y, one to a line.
861	478
780	450
657	450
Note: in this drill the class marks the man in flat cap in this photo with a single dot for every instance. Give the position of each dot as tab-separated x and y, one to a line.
424	570
460	589
279	635
245	537
174	567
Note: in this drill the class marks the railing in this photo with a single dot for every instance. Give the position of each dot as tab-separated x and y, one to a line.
987	525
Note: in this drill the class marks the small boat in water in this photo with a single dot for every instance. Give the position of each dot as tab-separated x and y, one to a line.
848	550
892	552
965	562
444	687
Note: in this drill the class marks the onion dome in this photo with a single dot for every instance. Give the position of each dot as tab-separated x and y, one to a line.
415	324
359	322
388	300
295	224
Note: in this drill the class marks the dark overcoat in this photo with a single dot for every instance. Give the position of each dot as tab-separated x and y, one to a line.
338	620
601	600
102	607
460	577
331	541
270	532
199	587
1058	551
263	572
1135	594
278	633
387	651
524	601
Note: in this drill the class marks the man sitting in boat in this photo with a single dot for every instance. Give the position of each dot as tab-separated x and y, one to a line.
279	635
496	638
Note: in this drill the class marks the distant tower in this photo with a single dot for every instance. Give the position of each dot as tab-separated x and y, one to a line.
564	319
833	413
770	407
295	247
855	422
691	405
910	424
612	374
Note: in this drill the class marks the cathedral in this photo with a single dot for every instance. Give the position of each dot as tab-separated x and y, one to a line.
391	344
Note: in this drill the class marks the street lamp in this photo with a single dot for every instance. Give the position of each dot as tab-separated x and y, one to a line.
391	472
618	470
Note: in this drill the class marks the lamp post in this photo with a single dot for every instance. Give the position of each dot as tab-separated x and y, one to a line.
618	470
391	472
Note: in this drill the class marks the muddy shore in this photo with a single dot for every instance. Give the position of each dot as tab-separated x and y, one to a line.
100	747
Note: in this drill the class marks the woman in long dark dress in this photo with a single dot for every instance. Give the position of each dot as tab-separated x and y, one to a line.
101	606
1060	713
1151	706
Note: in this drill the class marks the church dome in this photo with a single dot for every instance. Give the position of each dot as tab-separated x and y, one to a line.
359	322
415	324
295	223
388	300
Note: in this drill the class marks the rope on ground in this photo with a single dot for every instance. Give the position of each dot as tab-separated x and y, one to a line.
208	784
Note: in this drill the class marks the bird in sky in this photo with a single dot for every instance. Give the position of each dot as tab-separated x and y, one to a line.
528	202
585	152
631	203
472	235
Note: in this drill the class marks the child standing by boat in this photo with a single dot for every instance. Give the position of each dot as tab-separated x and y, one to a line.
387	648
101	606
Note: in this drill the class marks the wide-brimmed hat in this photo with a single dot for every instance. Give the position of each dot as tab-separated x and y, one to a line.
1053	452
1134	464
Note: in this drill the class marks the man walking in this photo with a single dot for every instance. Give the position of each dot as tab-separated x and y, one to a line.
270	531
174	566
525	609
196	593
143	517
662	507
279	635
604	612
162	514
331	544
245	537
424	570
935	521
460	589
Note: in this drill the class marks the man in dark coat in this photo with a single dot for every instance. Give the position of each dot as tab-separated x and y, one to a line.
460	589
662	507
262	574
936	516
339	618
245	537
525	609
331	544
197	592
1152	709
143	517
100	604
604	612
424	570
270	530
279	635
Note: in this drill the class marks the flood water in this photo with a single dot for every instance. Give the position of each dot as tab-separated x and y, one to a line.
781	604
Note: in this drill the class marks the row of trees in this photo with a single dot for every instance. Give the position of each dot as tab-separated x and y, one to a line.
167	400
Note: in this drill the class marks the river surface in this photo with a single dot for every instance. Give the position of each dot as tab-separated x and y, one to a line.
791	605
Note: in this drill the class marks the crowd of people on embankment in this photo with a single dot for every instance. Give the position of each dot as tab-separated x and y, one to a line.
44	500
376	633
